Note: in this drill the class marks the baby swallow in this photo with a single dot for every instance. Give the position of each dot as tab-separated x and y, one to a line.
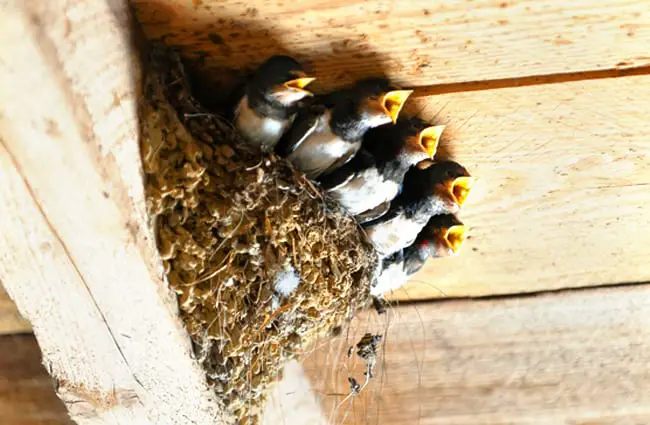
325	136
442	236
447	178
269	101
441	188
374	176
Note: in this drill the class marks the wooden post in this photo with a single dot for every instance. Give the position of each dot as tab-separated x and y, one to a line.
76	250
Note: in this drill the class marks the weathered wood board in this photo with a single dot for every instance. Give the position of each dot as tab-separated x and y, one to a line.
572	357
563	187
76	248
416	42
27	392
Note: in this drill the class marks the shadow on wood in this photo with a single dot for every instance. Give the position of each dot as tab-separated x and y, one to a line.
219	52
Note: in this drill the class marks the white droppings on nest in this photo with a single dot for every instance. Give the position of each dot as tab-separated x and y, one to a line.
286	281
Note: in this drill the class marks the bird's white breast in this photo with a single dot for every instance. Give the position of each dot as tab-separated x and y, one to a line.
261	132
391	236
365	191
391	278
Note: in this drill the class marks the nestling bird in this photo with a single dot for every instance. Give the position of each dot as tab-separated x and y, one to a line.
266	106
442	236
374	176
439	189
324	137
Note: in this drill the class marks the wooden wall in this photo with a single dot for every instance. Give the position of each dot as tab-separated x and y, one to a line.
546	103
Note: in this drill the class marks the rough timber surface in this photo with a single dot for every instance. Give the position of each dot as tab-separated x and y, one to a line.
27	394
415	42
574	357
76	250
562	193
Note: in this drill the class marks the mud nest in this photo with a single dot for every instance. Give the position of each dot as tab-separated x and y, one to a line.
262	263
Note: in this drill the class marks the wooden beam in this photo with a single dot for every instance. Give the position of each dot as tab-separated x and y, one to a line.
77	253
563	182
578	357
417	42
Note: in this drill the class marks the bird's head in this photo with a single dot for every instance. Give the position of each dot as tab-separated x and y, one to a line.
443	236
422	143
449	181
283	80
379	102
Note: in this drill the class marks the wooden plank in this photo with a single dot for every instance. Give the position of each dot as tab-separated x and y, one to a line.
578	357
26	391
11	322
76	250
416	42
27	394
563	186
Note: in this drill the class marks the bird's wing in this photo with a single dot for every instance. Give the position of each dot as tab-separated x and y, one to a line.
373	214
339	177
303	126
232	101
344	159
393	212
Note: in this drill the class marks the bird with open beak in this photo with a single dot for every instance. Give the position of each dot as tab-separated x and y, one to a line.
440	188
443	236
269	101
324	137
367	184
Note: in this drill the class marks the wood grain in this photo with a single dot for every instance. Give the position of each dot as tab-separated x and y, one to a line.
76	250
577	357
11	322
561	199
417	43
27	394
26	390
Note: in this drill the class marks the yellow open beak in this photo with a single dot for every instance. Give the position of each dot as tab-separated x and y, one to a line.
455	237
299	84
429	139
393	101
460	188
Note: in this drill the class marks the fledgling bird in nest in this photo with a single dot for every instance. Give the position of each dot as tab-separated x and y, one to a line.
442	236
326	136
367	184
440	188
266	105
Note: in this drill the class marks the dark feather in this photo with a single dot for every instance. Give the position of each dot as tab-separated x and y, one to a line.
303	125
361	161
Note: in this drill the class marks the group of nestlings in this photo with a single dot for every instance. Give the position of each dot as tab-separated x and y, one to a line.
378	167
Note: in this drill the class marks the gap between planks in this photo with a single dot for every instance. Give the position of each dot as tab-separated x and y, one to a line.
518	295
529	80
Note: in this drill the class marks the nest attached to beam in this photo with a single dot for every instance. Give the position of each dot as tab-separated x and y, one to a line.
231	226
